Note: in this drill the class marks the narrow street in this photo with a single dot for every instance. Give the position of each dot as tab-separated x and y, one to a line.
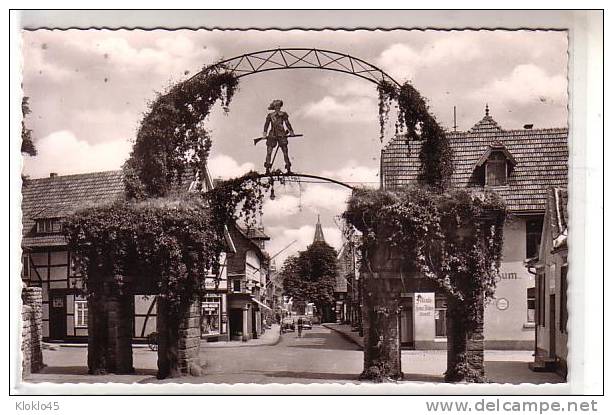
320	356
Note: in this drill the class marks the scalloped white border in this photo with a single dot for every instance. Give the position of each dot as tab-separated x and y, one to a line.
585	76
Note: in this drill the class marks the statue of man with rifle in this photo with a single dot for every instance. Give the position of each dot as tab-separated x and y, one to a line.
277	121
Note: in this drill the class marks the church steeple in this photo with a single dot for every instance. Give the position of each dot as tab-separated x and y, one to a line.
319	233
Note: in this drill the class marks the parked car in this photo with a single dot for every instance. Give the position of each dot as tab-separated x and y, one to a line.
288	324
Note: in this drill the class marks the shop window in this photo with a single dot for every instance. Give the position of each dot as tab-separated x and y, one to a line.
531	302
534	228
563	299
496	170
80	313
48	226
440	316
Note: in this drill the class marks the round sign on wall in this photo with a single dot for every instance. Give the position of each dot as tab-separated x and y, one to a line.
502	303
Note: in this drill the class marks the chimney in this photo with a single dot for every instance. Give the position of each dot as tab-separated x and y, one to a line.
528	126
52	175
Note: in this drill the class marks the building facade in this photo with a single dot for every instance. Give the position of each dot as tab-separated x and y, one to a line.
47	263
517	164
247	278
551	267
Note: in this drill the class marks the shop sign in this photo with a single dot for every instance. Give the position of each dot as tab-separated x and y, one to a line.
424	304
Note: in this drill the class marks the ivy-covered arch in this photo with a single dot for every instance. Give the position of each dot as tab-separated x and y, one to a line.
172	145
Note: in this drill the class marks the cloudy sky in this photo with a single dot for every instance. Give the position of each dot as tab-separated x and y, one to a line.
88	91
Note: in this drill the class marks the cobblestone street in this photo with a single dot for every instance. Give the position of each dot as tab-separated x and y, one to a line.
320	356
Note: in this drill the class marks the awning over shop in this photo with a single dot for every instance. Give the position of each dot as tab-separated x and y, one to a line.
261	304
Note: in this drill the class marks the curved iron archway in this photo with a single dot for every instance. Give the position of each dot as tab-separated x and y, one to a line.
300	58
308	176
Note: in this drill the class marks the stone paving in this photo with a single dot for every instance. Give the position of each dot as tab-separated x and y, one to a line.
501	366
320	356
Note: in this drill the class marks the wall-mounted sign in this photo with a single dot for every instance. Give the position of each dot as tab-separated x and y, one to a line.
424	304
502	304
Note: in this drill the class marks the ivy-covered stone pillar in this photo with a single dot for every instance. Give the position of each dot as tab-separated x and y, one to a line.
381	325
109	343
97	334
120	314
465	344
178	340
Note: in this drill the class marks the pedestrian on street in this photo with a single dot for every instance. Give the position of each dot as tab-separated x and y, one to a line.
300	327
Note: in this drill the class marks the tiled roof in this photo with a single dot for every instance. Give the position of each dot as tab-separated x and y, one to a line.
541	156
59	196
56	197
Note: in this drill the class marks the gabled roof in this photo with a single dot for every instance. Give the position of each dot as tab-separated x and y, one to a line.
498	146
59	196
541	156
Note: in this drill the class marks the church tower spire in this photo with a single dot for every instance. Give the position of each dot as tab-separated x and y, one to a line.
319	233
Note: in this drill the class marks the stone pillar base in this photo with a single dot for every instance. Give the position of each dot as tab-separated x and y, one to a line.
109	345
179	341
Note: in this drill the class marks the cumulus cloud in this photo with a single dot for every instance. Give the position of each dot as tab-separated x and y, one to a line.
354	173
280	207
63	153
403	61
320	196
224	166
527	83
167	56
349	87
348	110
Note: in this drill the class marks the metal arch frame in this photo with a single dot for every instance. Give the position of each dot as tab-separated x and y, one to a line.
299	58
287	175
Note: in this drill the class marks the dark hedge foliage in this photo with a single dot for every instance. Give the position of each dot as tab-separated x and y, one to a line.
453	238
155	246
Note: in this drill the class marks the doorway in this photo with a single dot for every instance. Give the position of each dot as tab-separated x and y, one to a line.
236	324
407	339
57	316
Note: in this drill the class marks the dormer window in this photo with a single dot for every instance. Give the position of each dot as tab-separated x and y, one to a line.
496	170
495	165
53	225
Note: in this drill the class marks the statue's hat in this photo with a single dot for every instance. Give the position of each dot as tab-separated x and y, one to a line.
274	103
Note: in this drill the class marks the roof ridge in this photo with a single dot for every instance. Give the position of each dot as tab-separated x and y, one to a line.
75	175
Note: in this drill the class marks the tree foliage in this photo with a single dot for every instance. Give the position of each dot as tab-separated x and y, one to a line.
172	139
453	238
311	275
27	145
154	246
417	124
